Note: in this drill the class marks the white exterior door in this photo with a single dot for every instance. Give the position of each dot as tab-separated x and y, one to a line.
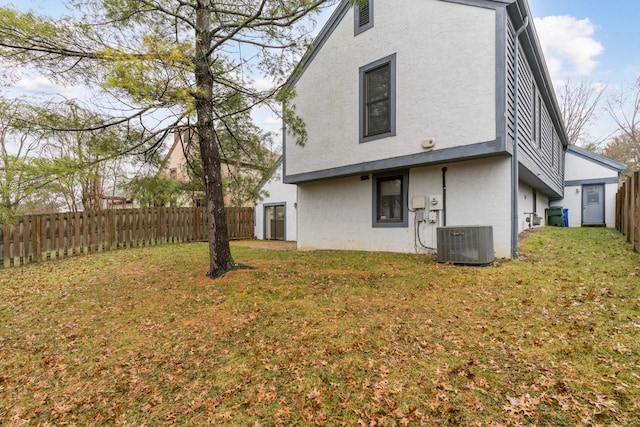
593	204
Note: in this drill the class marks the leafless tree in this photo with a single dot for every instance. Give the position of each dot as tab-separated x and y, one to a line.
579	102
624	109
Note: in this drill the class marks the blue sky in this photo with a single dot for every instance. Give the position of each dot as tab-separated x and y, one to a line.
592	40
614	25
596	40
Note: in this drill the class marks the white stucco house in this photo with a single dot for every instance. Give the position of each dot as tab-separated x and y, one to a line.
411	112
591	184
275	215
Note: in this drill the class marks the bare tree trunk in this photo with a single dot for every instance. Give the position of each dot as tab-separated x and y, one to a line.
220	260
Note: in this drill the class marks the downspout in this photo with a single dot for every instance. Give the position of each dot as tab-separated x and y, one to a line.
514	159
444	197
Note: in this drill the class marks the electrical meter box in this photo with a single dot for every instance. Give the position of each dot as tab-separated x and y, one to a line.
435	202
418	202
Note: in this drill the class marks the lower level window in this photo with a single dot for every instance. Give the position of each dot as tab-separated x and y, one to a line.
390	200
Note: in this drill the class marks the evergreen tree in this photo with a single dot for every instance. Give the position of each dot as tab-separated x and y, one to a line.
167	61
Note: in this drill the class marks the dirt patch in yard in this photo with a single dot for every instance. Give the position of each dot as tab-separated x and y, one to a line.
528	233
276	245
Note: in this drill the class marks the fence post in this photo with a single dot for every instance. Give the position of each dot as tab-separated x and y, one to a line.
618	210
6	235
196	223
627	207
17	253
37	238
623	211
635	214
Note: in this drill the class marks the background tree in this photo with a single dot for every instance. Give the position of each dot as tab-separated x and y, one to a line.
86	161
173	58
625	150
154	190
579	102
40	201
19	143
624	109
245	159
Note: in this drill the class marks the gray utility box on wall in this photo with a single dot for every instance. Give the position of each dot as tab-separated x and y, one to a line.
471	245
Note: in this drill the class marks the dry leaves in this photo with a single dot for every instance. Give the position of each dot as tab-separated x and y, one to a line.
140	337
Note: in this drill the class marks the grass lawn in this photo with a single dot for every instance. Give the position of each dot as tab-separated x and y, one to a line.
141	337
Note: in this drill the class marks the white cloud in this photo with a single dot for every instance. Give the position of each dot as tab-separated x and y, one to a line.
40	85
569	45
267	83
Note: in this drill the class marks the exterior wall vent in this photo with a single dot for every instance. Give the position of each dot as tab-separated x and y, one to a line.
363	16
469	245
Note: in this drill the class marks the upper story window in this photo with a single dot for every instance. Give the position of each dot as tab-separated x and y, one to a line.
378	99
363	16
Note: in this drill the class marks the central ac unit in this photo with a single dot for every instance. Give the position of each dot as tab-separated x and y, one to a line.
471	245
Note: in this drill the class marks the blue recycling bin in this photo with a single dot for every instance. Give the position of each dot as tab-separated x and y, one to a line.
565	216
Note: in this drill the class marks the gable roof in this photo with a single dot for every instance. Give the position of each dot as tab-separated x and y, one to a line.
517	10
596	158
270	175
319	40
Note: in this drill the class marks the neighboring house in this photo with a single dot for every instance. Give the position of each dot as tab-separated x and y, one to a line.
177	167
410	114
591	184
275	214
119	202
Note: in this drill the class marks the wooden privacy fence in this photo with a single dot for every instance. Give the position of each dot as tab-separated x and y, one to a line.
34	238
628	210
